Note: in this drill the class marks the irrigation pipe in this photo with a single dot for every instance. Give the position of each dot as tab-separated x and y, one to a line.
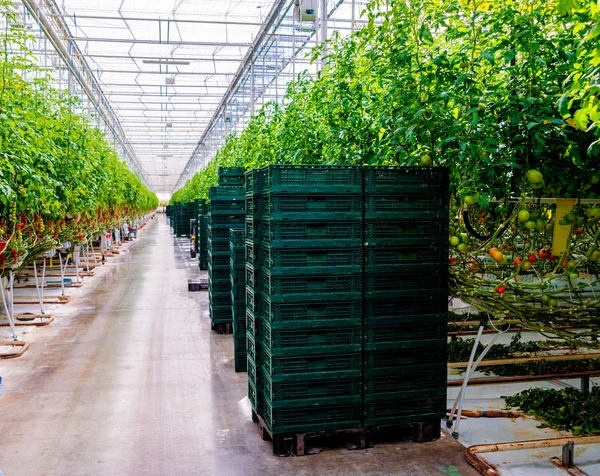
490	469
470	370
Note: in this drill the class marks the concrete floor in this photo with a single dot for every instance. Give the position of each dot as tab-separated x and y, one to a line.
129	380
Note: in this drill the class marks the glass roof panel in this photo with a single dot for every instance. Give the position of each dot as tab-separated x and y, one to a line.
164	66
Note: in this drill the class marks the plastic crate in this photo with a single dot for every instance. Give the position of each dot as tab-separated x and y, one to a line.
310	178
396	207
397	360
405	411
251	252
381	258
311	418
250	322
328	339
231	175
405	284
252	369
393	308
311	366
225	192
295	392
253	395
233	206
252	181
334	313
319	261
218	259
390	333
240	362
310	234
406	179
221	299
251	229
220	314
406	232
311	206
219	232
218	246
251	300
390	385
346	286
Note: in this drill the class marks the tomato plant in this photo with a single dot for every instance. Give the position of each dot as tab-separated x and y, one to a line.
60	179
504	94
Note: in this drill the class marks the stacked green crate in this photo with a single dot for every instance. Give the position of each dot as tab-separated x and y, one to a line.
251	220
203	241
406	289
200	243
305	276
180	220
237	262
226	210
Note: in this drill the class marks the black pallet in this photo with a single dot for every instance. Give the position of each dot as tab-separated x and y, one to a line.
222	327
303	444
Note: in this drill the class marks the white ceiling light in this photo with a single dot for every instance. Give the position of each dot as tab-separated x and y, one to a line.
170	80
166	61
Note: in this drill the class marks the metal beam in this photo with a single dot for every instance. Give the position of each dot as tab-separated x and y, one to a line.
62	51
159	42
166	20
173	73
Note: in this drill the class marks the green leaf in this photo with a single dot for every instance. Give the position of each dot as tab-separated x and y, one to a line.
581	119
565	7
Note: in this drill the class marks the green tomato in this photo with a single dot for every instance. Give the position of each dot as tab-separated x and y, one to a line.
471	200
580	221
523	216
530	225
593	212
454	240
573	275
454	209
540	225
595	256
462	247
549	228
552	302
464	237
534	176
425	160
570	217
594	179
538	186
545	299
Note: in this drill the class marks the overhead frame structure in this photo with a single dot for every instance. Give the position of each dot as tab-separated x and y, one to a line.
55	54
276	58
167	82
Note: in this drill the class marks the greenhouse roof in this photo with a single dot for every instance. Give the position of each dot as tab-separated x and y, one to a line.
179	75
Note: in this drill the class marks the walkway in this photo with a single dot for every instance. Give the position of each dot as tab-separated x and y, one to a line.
129	380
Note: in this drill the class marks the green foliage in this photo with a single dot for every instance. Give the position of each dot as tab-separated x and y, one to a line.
568	409
447	79
54	165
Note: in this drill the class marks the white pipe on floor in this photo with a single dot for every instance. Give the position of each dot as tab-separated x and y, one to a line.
460	398
473	369
43	283
9	316
37	287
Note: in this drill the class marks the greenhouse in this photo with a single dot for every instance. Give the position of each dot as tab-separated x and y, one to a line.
299	237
